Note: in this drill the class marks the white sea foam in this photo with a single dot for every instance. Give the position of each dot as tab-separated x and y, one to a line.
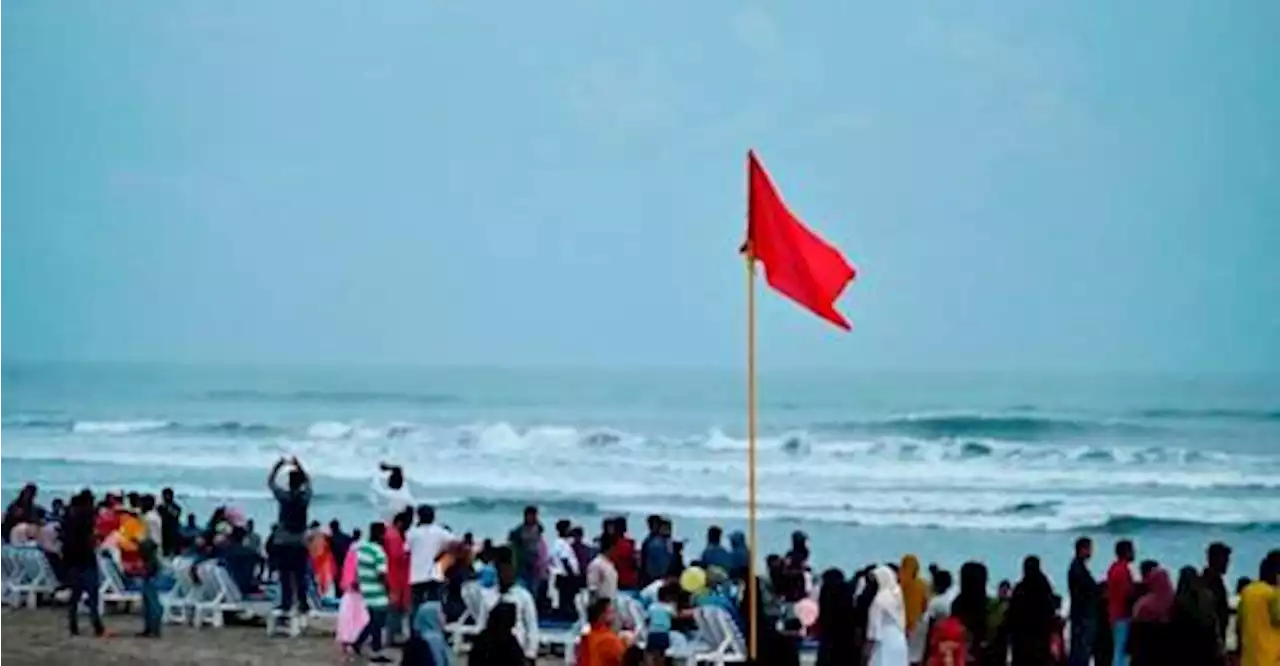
117	427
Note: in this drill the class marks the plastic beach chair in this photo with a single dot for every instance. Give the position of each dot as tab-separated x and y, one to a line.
114	586
472	620
27	576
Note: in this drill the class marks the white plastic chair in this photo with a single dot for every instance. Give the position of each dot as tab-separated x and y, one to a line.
114	586
177	604
27	575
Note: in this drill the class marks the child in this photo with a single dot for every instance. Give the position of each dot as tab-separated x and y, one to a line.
149	552
661	615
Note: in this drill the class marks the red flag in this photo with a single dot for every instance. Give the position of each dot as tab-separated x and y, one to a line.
797	262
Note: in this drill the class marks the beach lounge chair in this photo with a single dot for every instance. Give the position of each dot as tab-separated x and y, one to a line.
27	576
472	620
718	640
564	636
178	604
631	617
115	587
226	597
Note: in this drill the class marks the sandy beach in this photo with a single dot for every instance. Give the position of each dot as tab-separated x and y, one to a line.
39	637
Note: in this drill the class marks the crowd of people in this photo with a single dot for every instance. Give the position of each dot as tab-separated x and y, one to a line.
402	580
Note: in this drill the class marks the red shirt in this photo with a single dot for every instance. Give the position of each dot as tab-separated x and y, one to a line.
397	567
1119	591
624	560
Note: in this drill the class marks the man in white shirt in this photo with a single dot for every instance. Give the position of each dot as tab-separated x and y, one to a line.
425	542
390	493
602	575
155	526
565	572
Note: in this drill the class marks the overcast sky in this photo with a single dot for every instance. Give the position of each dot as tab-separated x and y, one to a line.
1080	185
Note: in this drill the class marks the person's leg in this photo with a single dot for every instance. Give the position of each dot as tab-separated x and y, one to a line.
377	620
284	567
76	580
91	584
364	634
150	607
1120	653
302	579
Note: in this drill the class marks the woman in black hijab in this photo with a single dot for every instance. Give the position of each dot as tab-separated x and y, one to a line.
496	645
837	645
972	607
1029	620
1194	632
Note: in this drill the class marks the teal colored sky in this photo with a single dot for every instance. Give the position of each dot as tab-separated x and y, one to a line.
1049	185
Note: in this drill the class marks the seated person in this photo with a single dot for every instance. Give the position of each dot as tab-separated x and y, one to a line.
240	561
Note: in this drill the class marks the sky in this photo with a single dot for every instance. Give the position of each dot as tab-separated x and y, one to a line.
1022	185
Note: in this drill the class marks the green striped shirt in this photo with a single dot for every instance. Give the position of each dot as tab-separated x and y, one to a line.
371	566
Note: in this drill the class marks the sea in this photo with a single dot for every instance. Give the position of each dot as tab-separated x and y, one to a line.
949	466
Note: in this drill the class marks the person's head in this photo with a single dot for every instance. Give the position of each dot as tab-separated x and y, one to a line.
1269	570
403	520
28	494
133	499
973	579
355	534
377	532
147	502
669	592
1219	558
334	526
1084	548
469	539
620	525
1187	580
166	495
607	542
504	562
1004	589
738	540
238	534
1146	567
191	520
941	581
530	515
576	534
502	619
315	525
1241	583
426	514
249	526
714	535
833	579
665	528
600	613
910	568
654	522
1031	567
56	506
608	526
297	479
83	499
562	528
395	480
799	541
1125	551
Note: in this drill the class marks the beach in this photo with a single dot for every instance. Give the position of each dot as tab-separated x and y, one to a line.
40	637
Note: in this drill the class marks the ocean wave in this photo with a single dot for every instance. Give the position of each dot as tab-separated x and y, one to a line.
118	427
136	426
1019	427
343	397
1210	413
1125	523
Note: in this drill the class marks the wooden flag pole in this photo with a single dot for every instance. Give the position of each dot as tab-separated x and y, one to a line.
752	602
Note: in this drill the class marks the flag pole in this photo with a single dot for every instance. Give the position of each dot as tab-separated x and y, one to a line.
751	453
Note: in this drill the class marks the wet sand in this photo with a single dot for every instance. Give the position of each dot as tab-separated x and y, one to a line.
40	637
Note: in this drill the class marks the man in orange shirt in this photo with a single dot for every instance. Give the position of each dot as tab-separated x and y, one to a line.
602	646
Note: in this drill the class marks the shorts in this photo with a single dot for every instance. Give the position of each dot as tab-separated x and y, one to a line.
658	643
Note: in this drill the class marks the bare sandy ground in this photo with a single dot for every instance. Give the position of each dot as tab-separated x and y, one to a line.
40	637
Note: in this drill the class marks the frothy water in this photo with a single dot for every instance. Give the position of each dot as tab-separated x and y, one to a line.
960	460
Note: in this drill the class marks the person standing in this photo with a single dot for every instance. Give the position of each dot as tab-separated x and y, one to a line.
1084	604
390	493
837	642
887	622
371	574
519	597
529	551
602	575
153	520
655	552
602	646
151	609
1150	640
715	554
339	542
568	578
1120	593
393	544
289	537
1259	616
1030	620
80	557
170	523
1218	561
426	541
1194	629
915	597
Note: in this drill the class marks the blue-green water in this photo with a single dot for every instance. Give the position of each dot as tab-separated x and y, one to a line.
871	465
